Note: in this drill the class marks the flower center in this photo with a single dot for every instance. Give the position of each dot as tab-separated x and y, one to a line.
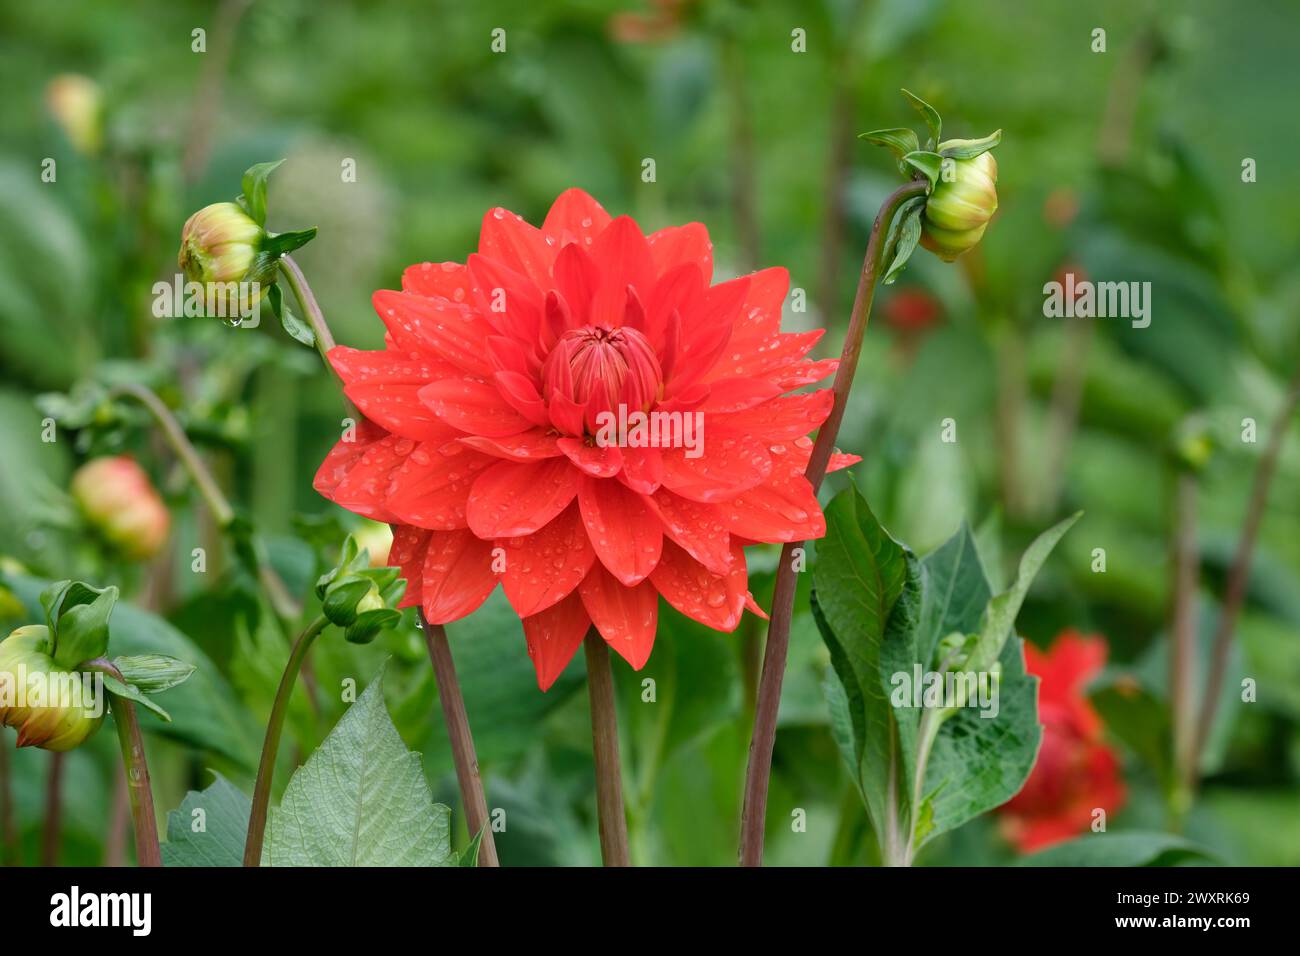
601	367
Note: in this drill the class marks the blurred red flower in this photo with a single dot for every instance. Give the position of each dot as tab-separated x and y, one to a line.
485	407
119	501
1076	772
912	310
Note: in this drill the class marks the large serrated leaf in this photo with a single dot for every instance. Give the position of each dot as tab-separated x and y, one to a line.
1135	848
360	800
859	577
209	828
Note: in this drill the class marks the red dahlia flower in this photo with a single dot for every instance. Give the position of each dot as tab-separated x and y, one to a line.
484	411
1076	772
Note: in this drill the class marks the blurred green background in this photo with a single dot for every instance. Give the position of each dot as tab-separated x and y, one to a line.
1118	165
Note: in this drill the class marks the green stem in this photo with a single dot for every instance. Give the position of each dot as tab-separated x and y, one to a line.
281	601
757	777
308	306
271	746
8	835
131	740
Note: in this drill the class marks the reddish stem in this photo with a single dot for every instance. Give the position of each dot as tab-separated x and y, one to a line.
758	775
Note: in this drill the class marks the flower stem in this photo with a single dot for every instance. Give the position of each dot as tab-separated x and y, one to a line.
758	774
307	304
604	748
1239	573
1183	652
271	745
8	836
435	637
281	601
53	811
462	741
131	740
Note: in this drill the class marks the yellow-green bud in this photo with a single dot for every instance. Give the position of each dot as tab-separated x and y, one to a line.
77	106
51	708
221	243
964	199
373	601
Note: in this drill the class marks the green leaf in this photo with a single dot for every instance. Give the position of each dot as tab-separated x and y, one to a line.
970	148
470	856
254	185
980	762
900	140
1000	615
858	579
77	615
153	673
286	242
929	114
298	330
209	828
904	234
927	163
360	800
130	692
956	592
1135	848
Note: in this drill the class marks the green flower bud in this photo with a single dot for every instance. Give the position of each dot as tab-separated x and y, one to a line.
964	199
48	705
373	601
222	243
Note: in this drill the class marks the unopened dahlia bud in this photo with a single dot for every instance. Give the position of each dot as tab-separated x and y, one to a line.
964	199
51	708
222	243
118	500
76	105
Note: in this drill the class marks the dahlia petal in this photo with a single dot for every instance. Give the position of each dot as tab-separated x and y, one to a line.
767	355
695	527
730	464
778	511
431	489
457	575
507	238
676	245
737	394
566	414
674	291
643	469
753	607
715	600
575	217
508	300
526	446
439	280
800	373
554	636
600	461
452	331
622	258
626	617
544	567
473	406
344	456
385	387
364	486
760	315
511	499
519	392
841	460
780	419
507	355
576	279
410	544
624	531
